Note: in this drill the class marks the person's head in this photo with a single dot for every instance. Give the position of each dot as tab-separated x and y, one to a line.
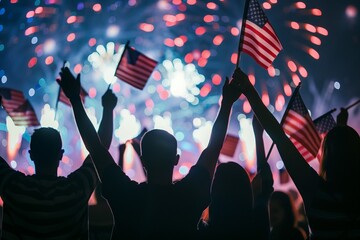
46	149
231	195
158	151
340	163
282	210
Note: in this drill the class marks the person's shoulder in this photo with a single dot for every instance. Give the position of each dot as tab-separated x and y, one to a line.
197	175
199	170
13	177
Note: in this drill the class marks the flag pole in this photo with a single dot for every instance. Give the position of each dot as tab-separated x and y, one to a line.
329	112
285	113
241	40
122	55
352	105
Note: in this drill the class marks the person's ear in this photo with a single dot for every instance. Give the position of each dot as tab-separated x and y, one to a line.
31	155
61	153
177	157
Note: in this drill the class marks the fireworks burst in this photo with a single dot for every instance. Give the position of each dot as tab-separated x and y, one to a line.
194	41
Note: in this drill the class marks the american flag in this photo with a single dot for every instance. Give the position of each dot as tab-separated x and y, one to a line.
11	99
135	68
24	115
64	99
259	39
229	145
300	128
324	123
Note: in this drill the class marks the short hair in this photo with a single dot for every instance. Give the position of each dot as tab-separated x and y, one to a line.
46	141
157	142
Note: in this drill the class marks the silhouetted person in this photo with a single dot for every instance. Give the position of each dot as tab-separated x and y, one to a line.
231	207
44	205
332	198
238	209
100	216
101	220
157	207
283	218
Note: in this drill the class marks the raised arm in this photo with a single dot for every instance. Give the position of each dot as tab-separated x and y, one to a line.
105	131
262	184
210	155
99	154
263	181
303	175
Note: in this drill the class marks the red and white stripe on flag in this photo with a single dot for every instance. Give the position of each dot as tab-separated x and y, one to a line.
261	43
135	68
259	38
11	99
24	115
303	134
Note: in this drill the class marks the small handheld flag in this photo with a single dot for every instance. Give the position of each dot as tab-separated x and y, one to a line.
258	38
18	107
134	67
301	130
325	123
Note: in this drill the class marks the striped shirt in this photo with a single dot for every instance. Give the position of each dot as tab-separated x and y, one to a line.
328	218
46	207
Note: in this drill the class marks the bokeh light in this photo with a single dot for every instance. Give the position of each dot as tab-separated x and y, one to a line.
195	43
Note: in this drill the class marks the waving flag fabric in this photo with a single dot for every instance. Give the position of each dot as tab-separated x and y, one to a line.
64	99
324	123
301	130
259	39
135	68
18	108
11	99
24	115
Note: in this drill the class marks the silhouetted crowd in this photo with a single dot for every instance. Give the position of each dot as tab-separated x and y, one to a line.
213	201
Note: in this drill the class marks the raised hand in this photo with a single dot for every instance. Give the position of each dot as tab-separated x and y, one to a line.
263	182
69	84
230	91
109	100
342	117
242	80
